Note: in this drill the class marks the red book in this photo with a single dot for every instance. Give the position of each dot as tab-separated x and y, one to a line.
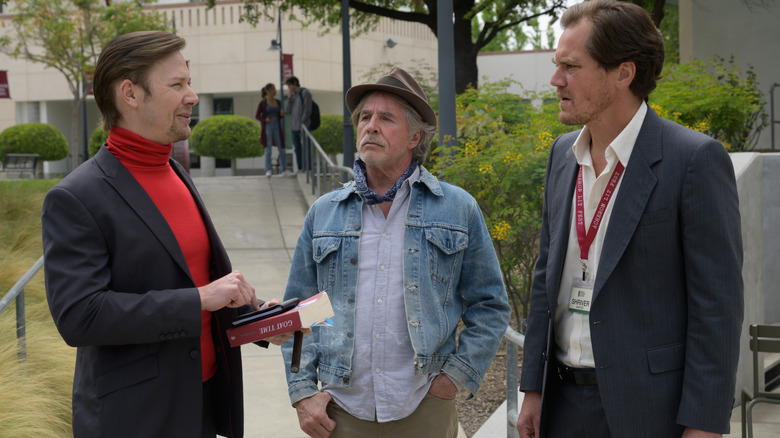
308	313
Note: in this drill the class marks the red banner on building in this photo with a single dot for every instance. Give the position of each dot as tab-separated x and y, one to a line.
5	92
287	66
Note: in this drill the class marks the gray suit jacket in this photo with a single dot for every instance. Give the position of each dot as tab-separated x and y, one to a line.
667	310
119	290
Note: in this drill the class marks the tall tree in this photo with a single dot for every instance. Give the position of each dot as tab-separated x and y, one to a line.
468	42
68	35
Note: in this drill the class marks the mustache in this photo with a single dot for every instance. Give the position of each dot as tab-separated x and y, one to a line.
373	138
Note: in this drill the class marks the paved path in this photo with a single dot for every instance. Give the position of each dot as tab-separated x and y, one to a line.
258	220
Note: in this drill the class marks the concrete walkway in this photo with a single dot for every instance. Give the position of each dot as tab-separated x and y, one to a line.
259	220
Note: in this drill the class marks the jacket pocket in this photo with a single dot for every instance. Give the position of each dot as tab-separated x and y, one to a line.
325	251
133	373
655	217
445	251
666	358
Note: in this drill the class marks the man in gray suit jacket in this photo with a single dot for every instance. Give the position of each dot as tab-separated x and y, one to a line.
136	277
637	303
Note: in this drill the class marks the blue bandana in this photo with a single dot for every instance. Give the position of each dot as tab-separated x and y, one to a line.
371	198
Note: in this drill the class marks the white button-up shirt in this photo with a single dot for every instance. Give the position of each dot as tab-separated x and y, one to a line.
572	329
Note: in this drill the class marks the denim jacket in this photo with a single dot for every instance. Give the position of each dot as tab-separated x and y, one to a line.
451	272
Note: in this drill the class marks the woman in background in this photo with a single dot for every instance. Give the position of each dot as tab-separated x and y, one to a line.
270	115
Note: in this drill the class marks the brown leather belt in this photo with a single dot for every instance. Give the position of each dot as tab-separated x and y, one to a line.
575	376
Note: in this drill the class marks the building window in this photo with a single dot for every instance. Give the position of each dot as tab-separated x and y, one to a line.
223	106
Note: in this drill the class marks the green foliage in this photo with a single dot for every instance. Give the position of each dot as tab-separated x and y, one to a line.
500	158
96	140
34	138
717	98
226	136
330	134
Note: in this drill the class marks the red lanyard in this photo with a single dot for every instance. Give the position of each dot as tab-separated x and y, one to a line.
585	240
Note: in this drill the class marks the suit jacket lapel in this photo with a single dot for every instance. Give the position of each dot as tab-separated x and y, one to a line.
638	183
139	201
561	191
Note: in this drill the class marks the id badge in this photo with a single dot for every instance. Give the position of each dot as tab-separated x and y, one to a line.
581	296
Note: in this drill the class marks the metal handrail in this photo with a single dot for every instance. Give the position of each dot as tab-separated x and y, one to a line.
518	339
321	173
17	292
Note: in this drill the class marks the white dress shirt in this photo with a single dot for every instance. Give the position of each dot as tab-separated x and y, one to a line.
572	329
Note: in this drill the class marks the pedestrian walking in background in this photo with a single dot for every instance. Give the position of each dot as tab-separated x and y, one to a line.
299	108
270	114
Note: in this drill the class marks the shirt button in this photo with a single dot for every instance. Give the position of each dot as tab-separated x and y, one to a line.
353	260
382	268
384	236
357	227
379	301
377	370
349	335
378	336
195	354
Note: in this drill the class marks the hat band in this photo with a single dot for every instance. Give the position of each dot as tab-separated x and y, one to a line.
389	80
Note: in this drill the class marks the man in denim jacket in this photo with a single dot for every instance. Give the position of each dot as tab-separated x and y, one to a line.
404	258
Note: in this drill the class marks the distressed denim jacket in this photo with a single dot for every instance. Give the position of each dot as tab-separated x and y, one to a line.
450	273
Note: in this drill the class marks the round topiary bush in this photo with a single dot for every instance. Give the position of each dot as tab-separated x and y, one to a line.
226	136
34	138
96	139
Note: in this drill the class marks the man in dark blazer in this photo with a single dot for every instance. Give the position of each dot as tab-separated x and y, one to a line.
637	303
136	276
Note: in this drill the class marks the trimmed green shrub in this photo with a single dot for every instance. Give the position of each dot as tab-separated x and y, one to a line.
34	138
715	98
96	139
330	134
227	136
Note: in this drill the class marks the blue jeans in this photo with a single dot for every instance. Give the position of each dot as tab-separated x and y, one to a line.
296	139
272	136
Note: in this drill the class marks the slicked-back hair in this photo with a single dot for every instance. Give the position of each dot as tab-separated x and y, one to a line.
413	119
621	32
130	56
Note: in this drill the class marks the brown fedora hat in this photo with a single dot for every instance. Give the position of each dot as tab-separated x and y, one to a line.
400	83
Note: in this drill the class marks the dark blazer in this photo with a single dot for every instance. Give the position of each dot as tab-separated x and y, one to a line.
667	309
120	291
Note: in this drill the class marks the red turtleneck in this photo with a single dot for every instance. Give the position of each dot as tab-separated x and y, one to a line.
148	163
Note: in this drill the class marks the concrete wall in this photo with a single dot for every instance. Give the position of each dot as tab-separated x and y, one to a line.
771	226
758	176
532	69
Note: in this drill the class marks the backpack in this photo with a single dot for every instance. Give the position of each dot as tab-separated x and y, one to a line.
314	118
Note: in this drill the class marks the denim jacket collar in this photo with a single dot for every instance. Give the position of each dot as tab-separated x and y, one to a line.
426	178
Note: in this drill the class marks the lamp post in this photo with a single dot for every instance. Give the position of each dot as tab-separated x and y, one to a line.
276	44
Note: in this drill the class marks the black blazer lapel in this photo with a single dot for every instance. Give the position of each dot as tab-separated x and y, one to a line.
139	201
561	191
638	184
